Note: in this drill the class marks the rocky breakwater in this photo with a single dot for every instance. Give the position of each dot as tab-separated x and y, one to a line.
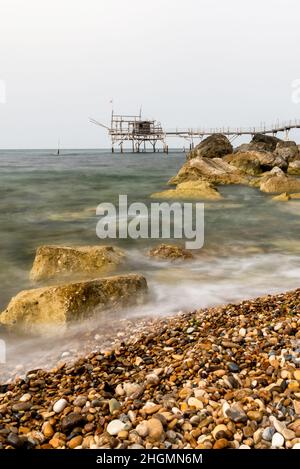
225	377
214	163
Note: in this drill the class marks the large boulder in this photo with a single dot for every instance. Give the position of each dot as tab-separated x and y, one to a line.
57	305
190	190
265	142
294	168
247	162
214	146
64	261
213	170
170	252
276	181
287	150
255	162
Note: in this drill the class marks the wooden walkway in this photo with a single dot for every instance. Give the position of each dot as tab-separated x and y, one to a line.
234	132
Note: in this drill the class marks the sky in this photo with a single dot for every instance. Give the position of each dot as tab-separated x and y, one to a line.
188	63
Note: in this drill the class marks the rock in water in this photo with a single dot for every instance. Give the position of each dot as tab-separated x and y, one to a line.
213	170
56	305
284	197
54	261
214	146
190	190
277	181
170	252
246	162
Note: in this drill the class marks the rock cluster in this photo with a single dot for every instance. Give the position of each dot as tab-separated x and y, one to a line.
213	162
225	377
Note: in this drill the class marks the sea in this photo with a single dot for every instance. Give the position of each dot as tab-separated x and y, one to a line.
251	243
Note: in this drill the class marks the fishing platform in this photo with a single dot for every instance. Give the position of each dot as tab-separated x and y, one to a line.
144	133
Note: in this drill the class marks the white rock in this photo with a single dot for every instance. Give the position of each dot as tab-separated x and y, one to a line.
225	408
296	446
152	378
193	402
60	405
244	447
242	332
131	388
119	390
142	429
115	426
25	397
277	440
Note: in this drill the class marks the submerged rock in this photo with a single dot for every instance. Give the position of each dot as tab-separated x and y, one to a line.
284	197
215	171
60	304
170	252
214	146
53	261
190	190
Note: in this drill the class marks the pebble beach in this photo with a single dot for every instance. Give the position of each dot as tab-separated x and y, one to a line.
222	377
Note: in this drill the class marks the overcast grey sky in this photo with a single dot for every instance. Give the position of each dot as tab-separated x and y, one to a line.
187	62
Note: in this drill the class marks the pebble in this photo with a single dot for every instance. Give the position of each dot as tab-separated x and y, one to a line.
142	429
152	379
72	420
155	429
219	431
60	405
74	442
25	397
268	433
244	447
80	401
297	375
15	441
132	388
277	440
114	405
193	402
233	367
115	426
47	430
236	413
